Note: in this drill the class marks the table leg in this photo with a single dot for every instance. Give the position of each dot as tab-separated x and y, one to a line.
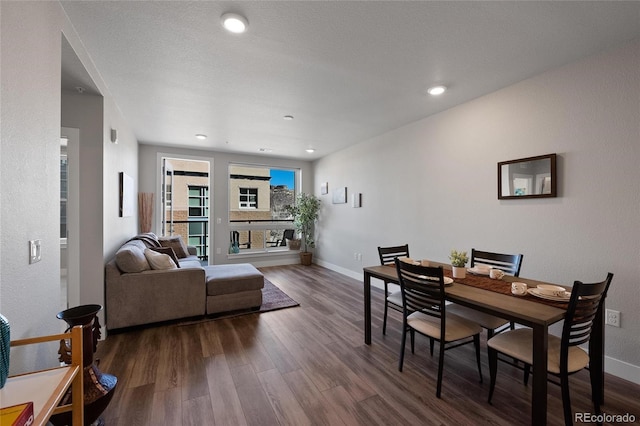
367	308
539	394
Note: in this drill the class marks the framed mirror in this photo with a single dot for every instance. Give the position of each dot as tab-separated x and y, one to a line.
532	177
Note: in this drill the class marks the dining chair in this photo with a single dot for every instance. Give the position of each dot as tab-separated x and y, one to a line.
565	357
393	299
510	264
424	310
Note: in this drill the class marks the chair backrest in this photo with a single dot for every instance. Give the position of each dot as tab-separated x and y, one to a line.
422	289
585	303
509	263
389	254
286	235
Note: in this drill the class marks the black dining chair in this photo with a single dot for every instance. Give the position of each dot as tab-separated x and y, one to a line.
393	299
510	264
425	311
565	357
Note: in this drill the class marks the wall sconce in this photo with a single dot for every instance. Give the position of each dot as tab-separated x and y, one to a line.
114	136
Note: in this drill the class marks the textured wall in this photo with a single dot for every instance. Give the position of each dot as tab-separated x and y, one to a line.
31	37
433	184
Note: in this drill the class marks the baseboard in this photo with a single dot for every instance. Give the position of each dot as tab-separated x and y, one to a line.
612	366
622	369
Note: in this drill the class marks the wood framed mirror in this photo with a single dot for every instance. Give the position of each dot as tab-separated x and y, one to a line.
532	177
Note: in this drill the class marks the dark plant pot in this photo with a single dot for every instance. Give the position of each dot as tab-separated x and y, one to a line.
305	258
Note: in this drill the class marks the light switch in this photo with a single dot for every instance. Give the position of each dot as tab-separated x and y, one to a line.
35	252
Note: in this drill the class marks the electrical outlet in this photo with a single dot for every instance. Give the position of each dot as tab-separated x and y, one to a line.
612	318
355	256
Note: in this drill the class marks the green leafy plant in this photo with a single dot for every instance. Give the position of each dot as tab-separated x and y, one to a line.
305	212
458	258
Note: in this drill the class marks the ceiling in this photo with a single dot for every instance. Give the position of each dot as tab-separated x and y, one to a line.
347	71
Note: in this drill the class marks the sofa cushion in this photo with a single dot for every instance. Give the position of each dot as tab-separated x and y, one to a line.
226	279
168	251
158	260
176	243
131	258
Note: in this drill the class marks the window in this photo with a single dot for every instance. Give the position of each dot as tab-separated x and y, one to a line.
64	177
258	197
248	198
198	201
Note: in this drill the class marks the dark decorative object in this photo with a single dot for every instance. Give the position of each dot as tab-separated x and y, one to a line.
532	177
98	387
5	345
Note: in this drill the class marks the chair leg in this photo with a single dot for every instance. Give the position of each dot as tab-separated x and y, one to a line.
404	341
493	369
413	341
566	399
384	320
527	371
476	343
596	390
440	368
431	346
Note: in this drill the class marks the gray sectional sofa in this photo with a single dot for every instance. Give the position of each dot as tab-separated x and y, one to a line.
153	279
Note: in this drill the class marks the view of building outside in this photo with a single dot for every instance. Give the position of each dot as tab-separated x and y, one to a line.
186	201
259	194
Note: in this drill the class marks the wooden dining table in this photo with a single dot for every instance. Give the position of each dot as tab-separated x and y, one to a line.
489	296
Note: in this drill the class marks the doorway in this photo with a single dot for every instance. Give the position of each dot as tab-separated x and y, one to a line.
185	201
69	217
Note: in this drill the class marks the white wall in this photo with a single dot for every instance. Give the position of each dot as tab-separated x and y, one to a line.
31	37
148	175
433	185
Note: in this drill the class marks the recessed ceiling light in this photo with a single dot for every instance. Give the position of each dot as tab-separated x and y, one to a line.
436	90
288	117
234	23
310	150
201	136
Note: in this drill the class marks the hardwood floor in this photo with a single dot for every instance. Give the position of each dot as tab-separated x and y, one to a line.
309	366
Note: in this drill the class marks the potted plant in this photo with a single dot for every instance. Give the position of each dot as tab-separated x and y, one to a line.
458	260
305	212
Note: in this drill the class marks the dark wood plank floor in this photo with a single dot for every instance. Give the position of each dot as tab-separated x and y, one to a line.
309	366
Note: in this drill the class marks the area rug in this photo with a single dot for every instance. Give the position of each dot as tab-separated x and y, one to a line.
272	299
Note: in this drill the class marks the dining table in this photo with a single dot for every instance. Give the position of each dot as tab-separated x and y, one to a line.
494	297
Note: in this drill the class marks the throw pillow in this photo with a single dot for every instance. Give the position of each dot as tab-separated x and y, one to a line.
131	258
168	251
159	261
176	244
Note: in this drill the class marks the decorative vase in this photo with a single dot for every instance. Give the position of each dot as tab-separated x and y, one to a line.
98	387
305	257
458	271
5	346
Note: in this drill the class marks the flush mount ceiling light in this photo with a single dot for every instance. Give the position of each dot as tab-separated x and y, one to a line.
234	23
436	90
201	136
288	117
310	150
